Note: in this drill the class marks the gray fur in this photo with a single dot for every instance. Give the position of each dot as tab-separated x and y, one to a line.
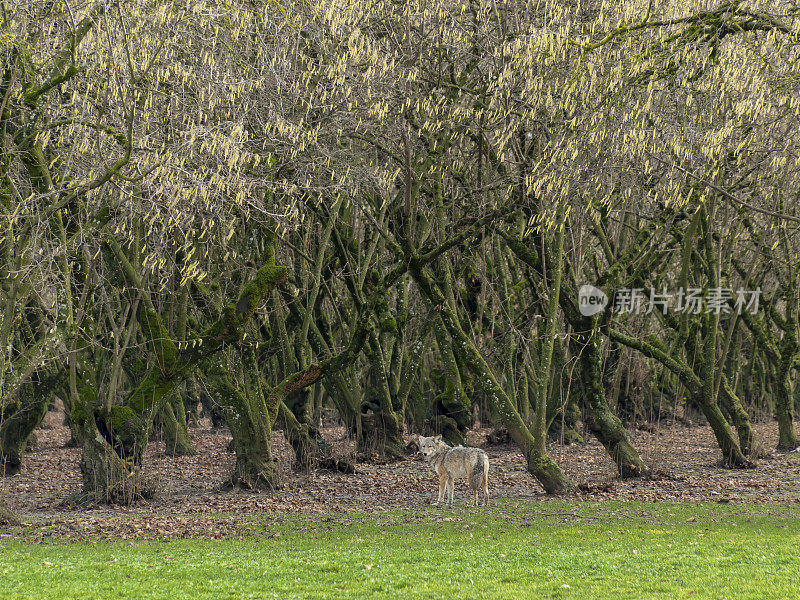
451	463
481	465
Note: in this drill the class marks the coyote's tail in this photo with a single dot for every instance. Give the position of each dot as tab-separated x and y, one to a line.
479	471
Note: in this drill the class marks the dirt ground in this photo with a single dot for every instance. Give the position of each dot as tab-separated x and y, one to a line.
191	502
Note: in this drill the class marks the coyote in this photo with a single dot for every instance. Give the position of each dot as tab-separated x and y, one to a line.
450	463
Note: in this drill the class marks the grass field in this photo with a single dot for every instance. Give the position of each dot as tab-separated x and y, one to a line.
512	550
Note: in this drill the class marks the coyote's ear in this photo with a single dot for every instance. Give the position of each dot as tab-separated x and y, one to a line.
438	438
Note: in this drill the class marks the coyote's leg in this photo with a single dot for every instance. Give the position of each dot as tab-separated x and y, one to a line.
485	488
471	487
442	486
451	483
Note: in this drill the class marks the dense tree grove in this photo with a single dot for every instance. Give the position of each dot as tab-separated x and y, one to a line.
392	209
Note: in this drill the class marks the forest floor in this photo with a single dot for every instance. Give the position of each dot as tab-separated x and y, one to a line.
192	503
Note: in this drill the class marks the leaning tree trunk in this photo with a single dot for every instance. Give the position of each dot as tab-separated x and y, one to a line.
732	455
602	422
741	420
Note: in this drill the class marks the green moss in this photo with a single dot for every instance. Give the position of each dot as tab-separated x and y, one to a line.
389	325
254	290
87	397
541	464
163	347
119	416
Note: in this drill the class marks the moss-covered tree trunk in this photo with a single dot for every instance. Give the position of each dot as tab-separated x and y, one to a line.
706	354
741	420
107	477
784	401
543	361
173	413
779	359
732	455
603	423
250	422
787	438
453	410
18	425
381	427
175	428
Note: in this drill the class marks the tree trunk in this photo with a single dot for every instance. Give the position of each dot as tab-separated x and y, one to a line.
107	478
176	433
250	423
453	408
732	455
34	398
310	447
381	430
741	420
602	422
787	438
784	402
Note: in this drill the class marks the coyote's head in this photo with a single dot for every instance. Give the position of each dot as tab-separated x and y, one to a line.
429	445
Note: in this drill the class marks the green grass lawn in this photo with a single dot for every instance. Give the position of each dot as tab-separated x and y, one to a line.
512	550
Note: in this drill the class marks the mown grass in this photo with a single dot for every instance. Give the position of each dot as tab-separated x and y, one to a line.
512	550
